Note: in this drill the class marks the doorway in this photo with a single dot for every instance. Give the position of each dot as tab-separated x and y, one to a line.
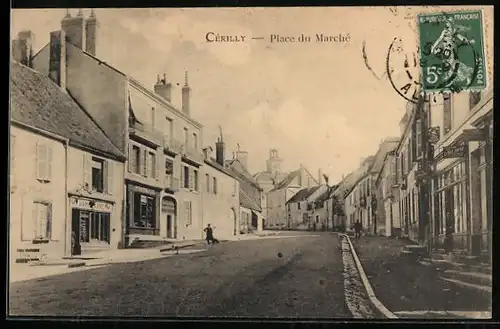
170	229
168	225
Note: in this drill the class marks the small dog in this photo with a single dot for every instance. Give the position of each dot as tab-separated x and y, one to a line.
215	241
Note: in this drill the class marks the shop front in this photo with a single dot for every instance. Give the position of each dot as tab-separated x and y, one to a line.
143	213
90	224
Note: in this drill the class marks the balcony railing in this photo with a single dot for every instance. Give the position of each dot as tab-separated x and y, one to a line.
172	183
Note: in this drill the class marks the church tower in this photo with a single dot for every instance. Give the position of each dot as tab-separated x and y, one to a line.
274	161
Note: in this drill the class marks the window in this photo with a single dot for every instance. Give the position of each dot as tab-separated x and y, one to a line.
44	162
94	226
188	215
152	165
144	211
215	185
195	180
474	98
186	176
446	113
42	218
97	175
207	182
186	137
153	117
298	205
169	167
169	129
195	141
135	160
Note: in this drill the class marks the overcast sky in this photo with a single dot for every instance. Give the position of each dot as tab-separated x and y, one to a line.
317	103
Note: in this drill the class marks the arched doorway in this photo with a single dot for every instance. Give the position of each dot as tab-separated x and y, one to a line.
168	223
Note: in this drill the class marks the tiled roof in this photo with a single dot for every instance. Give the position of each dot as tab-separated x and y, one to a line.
385	147
287	180
37	101
248	202
303	194
239	169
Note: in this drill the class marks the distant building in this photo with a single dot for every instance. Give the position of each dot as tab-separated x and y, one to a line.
300	208
66	176
283	191
268	179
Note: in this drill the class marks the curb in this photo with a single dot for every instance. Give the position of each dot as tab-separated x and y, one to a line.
174	247
369	290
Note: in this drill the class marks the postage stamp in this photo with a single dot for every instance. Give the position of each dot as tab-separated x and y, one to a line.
452	56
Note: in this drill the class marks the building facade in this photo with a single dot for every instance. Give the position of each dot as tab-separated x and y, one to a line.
66	180
162	143
300	208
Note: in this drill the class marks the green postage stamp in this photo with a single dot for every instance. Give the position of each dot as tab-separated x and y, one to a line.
452	56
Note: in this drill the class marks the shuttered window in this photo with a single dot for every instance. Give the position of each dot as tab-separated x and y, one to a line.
188	213
215	185
43	162
109	172
207	182
195	178
39	226
151	165
418	139
145	163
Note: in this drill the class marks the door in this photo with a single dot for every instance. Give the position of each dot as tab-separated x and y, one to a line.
169	232
75	233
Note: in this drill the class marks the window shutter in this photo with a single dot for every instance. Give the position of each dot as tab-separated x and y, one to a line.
158	158
145	163
28	223
110	176
41	157
191	179
49	163
87	170
131	160
419	138
49	232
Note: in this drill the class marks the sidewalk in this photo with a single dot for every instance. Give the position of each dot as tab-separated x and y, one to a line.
412	290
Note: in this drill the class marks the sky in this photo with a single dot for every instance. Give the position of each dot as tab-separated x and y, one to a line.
319	104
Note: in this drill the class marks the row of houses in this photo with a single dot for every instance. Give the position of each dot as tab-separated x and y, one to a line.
100	161
434	184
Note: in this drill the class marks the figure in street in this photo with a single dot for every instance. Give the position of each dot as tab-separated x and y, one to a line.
357	230
209	234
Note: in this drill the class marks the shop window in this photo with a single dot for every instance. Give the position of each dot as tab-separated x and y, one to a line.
94	227
145	211
43	162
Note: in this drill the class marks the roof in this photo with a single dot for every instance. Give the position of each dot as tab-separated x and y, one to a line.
355	177
326	194
303	194
287	180
213	163
39	102
248	202
239	169
270	176
387	146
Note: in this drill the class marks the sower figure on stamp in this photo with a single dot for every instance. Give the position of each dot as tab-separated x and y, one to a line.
357	230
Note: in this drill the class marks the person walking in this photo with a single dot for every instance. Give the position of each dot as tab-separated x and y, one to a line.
357	230
209	234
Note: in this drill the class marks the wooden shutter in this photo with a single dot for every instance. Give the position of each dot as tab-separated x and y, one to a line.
419	138
50	228
109	176
87	170
48	163
158	158
145	163
28	222
191	178
41	158
131	160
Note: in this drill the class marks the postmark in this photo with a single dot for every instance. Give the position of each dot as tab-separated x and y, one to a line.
452	57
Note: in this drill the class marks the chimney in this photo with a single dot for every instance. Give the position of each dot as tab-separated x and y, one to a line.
242	156
91	29
163	88
57	62
186	91
22	47
75	29
207	152
219	151
320	177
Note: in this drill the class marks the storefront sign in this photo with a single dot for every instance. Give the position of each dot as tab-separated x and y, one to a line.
167	205
454	151
142	190
91	204
473	135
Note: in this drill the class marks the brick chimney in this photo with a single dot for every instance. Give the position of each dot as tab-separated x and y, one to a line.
186	94
219	151
91	31
57	58
75	29
22	47
163	88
